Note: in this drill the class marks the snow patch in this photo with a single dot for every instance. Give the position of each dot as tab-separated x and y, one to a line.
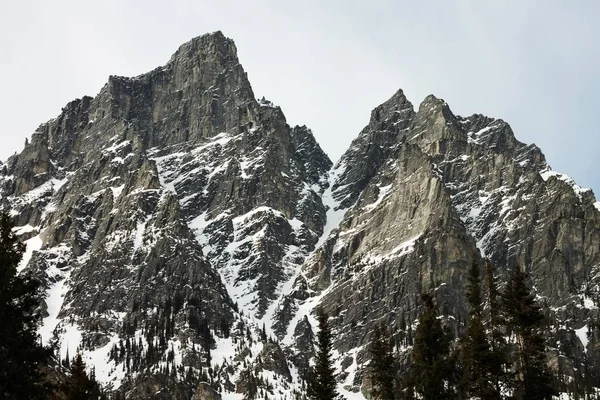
401	250
582	335
20	230
304	309
404	248
588	303
138	240
117	190
106	371
475	137
198	225
225	350
58	183
383	193
335	215
70	339
33	244
342	387
547	173
55	297
116	146
35	194
292	270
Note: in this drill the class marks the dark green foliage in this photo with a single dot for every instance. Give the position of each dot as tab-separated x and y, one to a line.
321	383
478	357
80	386
21	354
473	292
431	373
225	328
251	383
499	358
524	318
263	334
312	385
382	366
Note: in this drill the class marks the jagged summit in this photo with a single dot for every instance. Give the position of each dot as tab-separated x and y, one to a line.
177	222
395	104
388	125
417	194
176	195
210	45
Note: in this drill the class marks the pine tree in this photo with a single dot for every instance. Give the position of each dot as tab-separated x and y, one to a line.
312	384
499	358
21	354
478	358
80	386
431	372
251	382
321	383
382	364
263	334
524	318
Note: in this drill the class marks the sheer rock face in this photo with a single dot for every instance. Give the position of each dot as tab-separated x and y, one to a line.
173	215
402	238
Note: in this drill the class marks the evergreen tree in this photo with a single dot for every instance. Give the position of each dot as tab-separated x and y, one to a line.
382	364
312	385
263	334
21	354
251	389
321	383
478	358
80	386
499	358
524	318
431	372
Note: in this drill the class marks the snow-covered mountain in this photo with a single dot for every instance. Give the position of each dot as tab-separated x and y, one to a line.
185	232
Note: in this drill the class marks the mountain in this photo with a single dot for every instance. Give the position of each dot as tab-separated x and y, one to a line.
185	232
440	189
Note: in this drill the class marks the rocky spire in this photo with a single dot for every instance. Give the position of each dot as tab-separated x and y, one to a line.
375	144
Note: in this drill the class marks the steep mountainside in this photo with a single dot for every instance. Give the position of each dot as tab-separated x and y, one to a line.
160	210
444	188
186	233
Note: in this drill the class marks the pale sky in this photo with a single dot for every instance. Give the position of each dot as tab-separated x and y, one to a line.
535	64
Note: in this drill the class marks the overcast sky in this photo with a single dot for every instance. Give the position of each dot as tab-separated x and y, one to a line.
535	64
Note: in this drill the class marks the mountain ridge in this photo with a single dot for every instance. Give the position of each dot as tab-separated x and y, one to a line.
174	208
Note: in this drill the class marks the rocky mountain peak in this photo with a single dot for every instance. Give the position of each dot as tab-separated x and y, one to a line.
413	215
436	128
124	197
392	110
388	125
213	46
183	228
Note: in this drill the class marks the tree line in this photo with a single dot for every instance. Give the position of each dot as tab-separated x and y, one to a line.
501	354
